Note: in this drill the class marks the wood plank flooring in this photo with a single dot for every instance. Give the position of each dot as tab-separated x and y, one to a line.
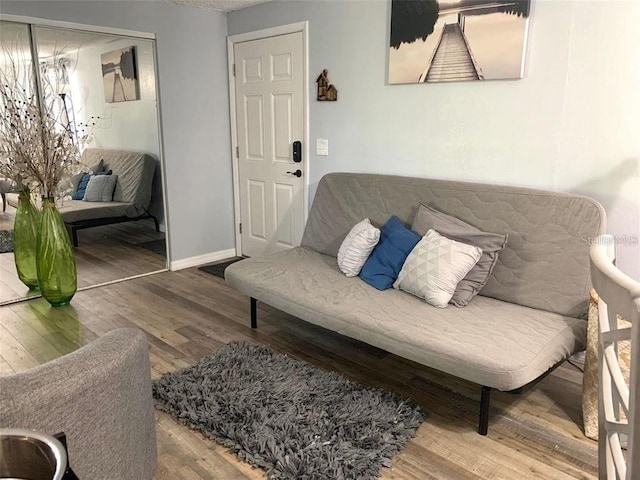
188	314
104	254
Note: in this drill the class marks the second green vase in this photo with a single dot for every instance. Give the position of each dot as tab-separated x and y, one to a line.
25	237
56	262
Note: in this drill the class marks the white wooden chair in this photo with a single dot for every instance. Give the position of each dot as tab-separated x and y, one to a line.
619	295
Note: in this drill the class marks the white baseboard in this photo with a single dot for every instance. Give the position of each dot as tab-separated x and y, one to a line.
202	259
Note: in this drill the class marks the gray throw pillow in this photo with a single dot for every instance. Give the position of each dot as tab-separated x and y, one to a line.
100	188
98	167
427	218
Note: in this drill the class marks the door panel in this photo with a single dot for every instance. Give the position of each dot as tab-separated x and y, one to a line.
257	214
281	67
254	132
252	70
282	127
283	195
270	116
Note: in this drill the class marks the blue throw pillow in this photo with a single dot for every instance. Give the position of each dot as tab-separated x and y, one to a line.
82	186
383	266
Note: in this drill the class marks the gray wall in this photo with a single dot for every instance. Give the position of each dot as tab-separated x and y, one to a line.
192	64
571	125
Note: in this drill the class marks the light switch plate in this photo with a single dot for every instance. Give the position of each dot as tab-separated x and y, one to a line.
322	146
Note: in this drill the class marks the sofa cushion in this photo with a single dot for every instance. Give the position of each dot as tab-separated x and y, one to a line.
385	262
451	227
524	342
77	210
545	263
434	268
100	188
357	246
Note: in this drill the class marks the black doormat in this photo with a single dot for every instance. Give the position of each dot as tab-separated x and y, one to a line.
156	246
288	417
218	269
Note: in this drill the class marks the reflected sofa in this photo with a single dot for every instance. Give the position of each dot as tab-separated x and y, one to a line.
131	197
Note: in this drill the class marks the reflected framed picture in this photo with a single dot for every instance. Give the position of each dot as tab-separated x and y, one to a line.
120	75
457	40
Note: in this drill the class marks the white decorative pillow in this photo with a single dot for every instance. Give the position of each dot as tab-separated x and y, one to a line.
100	188
435	266
357	246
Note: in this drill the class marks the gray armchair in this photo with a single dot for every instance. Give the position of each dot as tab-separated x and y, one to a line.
100	397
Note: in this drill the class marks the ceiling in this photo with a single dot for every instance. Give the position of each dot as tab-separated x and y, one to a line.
54	41
220	5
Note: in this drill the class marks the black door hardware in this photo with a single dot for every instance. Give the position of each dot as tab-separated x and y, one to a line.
297	151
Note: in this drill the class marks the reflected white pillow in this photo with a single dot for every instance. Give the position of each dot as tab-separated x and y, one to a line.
435	266
100	188
356	247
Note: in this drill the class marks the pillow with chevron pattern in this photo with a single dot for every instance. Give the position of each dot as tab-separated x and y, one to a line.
435	266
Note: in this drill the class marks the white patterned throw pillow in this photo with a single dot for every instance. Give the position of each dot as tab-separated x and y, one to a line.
435	266
356	247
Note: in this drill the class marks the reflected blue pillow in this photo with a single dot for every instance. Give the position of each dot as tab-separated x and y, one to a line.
82	187
385	262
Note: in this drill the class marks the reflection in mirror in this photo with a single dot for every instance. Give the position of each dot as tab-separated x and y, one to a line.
109	83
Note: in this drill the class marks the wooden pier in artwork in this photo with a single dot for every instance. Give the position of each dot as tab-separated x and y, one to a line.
452	60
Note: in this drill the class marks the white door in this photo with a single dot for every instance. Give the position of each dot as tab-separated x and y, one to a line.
270	114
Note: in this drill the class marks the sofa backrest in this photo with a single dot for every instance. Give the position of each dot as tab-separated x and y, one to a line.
545	263
135	172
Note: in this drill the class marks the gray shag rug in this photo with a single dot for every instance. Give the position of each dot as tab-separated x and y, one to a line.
288	417
6	241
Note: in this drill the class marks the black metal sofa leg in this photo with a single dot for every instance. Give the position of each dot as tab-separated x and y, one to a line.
155	222
485	397
73	234
254	313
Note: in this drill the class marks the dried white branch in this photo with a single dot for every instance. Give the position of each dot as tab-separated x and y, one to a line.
38	147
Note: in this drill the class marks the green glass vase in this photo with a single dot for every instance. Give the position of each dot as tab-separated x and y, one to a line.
57	275
25	238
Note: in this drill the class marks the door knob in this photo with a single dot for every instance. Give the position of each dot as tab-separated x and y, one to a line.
297	173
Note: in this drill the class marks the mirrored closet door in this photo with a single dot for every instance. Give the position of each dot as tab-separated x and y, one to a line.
108	83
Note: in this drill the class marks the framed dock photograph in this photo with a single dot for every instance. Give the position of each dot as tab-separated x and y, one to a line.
120	75
457	40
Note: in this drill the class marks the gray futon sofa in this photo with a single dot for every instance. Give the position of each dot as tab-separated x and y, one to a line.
527	319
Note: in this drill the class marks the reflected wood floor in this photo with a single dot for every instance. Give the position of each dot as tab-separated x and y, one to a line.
104	254
189	314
